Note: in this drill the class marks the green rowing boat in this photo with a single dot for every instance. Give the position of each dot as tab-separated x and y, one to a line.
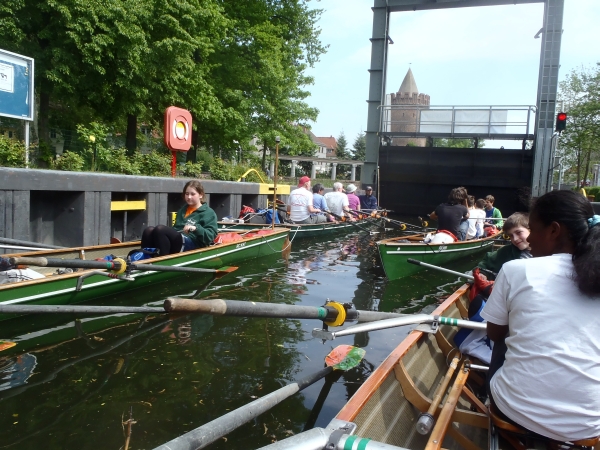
395	252
84	285
307	230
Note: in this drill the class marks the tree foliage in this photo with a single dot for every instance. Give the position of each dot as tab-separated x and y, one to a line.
579	144
360	147
239	67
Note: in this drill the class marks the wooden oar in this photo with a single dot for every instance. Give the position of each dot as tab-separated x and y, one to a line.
441	269
343	357
4	240
397	322
332	315
345	220
115	265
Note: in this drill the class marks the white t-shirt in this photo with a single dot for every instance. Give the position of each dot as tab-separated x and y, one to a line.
299	201
336	201
476	218
550	381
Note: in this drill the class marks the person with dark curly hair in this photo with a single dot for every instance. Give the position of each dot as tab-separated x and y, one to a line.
452	215
545	312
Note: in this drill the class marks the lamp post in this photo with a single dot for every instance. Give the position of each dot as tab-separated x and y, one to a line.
93	141
277	140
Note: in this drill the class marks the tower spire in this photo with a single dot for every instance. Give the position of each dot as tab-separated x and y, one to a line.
409	84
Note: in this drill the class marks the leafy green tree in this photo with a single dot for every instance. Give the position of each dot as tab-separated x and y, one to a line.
259	75
579	143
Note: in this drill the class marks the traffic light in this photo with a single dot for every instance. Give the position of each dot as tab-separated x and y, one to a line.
561	122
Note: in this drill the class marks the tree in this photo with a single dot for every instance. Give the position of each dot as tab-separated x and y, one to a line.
457	143
259	73
579	143
342	151
360	151
360	147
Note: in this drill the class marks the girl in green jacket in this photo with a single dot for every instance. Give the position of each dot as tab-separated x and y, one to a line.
195	225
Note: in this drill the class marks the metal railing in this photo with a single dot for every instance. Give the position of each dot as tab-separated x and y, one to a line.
491	122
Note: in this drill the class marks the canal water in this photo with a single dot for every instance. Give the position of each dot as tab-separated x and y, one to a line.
73	382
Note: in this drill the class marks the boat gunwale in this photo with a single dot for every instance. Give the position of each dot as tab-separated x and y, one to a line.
366	391
133	244
317	226
391	241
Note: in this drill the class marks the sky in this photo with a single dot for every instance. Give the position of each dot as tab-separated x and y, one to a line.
461	56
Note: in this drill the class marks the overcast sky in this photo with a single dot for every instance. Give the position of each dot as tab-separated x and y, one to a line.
463	56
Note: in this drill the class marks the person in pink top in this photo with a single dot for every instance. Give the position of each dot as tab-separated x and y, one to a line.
353	200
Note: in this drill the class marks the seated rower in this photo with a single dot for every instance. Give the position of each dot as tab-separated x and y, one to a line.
451	214
368	201
546	309
517	229
195	225
300	204
337	200
319	201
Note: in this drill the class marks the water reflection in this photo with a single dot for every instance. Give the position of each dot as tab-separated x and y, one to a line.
177	373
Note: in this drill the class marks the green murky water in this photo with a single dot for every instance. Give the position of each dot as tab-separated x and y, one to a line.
70	384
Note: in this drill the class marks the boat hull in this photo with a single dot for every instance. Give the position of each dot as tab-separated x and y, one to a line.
62	289
388	405
394	254
304	230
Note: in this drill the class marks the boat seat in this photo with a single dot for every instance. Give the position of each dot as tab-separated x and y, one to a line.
503	425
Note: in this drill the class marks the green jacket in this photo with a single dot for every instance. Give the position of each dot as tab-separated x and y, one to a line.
496	214
495	260
205	221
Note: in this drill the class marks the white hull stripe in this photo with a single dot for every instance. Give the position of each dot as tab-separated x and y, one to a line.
433	252
134	275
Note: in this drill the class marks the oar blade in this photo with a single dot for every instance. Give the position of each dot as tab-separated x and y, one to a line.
5	345
226	269
344	357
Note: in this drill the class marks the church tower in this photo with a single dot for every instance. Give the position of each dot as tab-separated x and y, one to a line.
405	119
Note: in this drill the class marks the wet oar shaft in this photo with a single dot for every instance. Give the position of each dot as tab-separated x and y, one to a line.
106	265
273	310
210	432
78	309
397	322
440	269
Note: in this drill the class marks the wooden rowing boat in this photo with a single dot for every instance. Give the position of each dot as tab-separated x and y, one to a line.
55	289
308	230
387	406
395	252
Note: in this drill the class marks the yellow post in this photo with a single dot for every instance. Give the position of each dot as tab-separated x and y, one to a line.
277	140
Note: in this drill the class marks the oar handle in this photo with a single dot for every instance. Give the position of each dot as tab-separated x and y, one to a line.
70	263
115	265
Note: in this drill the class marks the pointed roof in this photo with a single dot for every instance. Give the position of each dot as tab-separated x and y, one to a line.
409	84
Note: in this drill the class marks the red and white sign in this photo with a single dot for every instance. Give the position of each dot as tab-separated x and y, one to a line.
178	129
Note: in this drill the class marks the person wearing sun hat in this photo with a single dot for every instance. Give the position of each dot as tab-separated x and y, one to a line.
300	204
368	201
353	201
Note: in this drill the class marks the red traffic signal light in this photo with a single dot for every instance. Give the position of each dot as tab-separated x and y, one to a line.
561	122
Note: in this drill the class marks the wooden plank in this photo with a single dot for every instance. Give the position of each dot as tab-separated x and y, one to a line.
445	415
128	205
462	440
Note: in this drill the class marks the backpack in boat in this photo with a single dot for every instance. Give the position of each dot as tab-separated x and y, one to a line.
246	213
141	254
269	216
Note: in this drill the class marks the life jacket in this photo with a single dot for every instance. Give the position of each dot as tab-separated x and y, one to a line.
480	286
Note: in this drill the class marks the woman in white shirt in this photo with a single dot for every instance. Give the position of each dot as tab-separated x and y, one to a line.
547	312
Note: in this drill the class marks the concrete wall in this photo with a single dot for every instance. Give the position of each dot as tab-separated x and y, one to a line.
74	209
